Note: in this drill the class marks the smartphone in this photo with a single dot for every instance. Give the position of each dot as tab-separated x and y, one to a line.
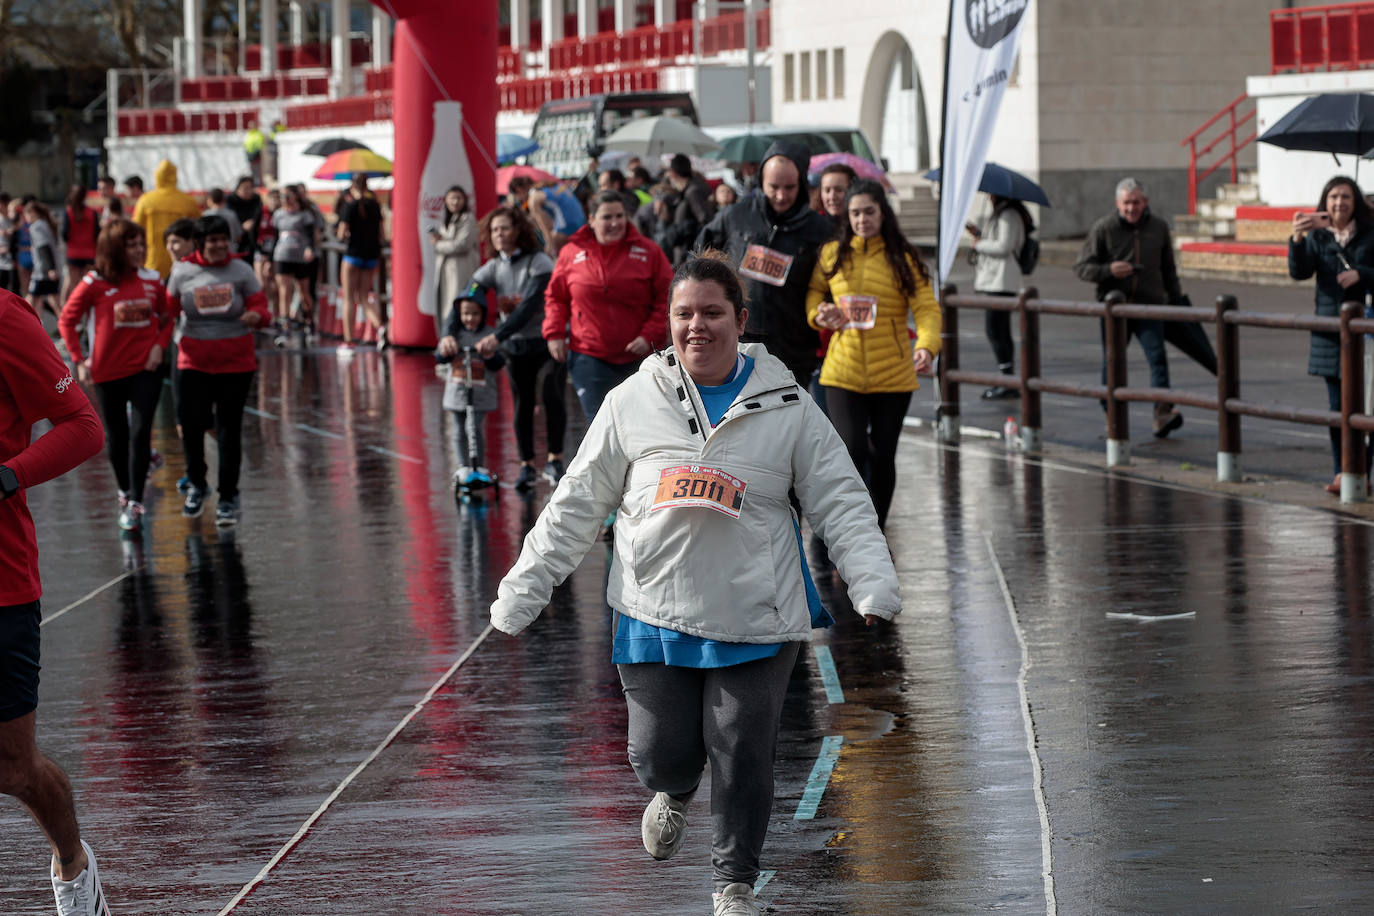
1320	217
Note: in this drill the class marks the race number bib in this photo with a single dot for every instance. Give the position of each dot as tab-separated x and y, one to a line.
696	486
213	300
473	377
765	265
133	313
860	312
506	304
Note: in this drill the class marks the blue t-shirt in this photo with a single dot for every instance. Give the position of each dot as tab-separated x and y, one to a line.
637	642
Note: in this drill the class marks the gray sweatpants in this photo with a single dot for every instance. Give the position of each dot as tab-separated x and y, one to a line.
681	718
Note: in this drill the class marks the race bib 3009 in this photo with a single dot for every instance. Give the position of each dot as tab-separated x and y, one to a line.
695	486
765	265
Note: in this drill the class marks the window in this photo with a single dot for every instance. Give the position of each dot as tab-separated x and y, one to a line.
788	93
822	75
805	77
838	57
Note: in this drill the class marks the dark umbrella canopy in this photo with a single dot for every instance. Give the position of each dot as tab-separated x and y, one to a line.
1005	183
741	148
1327	124
332	145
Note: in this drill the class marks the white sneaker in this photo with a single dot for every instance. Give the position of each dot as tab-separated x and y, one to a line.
83	895
663	826
131	516
736	900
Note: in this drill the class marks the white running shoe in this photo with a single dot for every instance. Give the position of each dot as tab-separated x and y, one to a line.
83	895
663	826
131	517
736	900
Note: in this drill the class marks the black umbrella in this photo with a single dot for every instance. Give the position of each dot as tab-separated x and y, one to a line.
1191	340
1327	124
332	145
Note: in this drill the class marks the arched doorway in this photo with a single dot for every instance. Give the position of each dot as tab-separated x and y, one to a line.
893	111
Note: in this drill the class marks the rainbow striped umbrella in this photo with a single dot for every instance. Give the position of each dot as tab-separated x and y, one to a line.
346	163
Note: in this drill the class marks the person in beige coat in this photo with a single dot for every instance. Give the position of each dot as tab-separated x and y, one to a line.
458	248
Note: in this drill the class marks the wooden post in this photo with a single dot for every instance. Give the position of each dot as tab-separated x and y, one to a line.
1228	386
1030	369
1118	417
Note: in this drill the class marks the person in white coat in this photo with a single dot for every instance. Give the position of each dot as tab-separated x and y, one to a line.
997	272
457	246
698	451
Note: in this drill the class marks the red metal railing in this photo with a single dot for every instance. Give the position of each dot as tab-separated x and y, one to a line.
379	80
644	44
1226	139
314	55
249	88
359	110
529	94
135	122
1320	38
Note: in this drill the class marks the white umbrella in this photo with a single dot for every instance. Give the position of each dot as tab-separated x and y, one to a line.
659	135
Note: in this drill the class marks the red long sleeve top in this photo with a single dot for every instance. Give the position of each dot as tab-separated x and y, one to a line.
131	317
34	384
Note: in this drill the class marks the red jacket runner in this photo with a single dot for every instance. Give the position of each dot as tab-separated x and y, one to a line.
34	384
130	318
610	294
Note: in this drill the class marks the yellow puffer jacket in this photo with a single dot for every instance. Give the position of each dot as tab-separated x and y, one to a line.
878	359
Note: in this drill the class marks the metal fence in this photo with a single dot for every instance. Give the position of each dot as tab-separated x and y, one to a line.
1352	419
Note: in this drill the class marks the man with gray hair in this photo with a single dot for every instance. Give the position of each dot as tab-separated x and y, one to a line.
1132	251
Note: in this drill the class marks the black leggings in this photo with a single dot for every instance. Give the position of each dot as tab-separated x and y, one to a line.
998	328
524	374
870	425
213	400
128	405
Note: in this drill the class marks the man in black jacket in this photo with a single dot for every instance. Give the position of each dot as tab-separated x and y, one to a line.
774	238
683	211
1132	251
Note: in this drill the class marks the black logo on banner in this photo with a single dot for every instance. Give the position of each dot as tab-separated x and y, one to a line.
989	21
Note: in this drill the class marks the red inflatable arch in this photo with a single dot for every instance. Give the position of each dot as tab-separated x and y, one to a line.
445	53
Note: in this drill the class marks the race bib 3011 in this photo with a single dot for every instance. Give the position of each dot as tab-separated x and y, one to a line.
695	486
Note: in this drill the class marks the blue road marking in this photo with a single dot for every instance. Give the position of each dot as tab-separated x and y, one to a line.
820	777
829	676
763	879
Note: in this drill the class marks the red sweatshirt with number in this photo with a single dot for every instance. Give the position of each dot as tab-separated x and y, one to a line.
34	384
130	318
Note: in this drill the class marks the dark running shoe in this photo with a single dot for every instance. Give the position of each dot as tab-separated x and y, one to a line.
195	501
554	471
526	478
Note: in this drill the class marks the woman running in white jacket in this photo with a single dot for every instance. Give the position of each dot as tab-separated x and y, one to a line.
698	451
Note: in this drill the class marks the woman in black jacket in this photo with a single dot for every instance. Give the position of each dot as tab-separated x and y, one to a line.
1336	244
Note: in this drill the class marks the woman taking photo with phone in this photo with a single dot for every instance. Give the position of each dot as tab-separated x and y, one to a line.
1336	245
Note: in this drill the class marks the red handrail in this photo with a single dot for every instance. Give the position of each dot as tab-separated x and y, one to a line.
1227	135
1322	38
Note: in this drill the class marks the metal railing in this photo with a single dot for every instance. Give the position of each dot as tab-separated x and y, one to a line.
1322	38
1351	419
1227	135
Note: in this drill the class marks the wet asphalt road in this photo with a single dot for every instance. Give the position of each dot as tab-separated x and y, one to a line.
213	695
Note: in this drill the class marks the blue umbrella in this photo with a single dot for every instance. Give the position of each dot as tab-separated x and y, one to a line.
513	146
1002	181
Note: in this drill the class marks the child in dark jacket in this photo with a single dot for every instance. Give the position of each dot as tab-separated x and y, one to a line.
470	392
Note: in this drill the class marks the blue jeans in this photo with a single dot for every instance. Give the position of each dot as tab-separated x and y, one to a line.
594	378
1151	337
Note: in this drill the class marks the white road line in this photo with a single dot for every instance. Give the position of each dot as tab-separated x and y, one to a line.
260	413
348	780
1037	771
80	601
382	451
317	431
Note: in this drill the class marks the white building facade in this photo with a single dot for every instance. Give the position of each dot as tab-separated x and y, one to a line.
1100	90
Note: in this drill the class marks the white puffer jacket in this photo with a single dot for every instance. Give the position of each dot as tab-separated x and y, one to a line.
698	570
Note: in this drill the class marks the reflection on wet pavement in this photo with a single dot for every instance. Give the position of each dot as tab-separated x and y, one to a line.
208	701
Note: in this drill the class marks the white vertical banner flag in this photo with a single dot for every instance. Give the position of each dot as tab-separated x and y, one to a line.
983	35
